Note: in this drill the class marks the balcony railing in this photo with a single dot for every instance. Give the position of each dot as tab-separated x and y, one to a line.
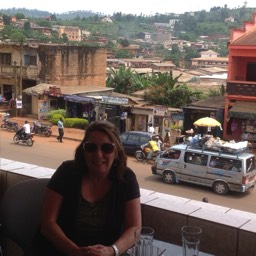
244	88
10	71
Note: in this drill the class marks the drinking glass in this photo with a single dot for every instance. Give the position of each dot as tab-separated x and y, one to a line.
191	240
143	241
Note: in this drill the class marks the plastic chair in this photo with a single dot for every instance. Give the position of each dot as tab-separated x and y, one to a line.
20	212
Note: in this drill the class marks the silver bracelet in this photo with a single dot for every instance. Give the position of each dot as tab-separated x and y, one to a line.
115	250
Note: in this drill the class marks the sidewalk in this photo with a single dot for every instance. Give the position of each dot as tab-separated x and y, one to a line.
69	133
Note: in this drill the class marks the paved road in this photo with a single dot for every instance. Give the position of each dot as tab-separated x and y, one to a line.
50	153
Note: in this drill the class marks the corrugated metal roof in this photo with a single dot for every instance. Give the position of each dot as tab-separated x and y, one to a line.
39	89
212	102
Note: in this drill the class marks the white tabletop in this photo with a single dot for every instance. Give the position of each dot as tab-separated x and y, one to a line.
172	249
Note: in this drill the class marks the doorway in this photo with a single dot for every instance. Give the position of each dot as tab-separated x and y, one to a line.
251	72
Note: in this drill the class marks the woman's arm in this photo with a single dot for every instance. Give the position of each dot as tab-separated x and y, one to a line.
51	230
132	221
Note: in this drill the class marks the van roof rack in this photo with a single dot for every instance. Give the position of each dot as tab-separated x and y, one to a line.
224	150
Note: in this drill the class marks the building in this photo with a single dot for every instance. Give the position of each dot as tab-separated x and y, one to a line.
23	66
209	59
240	99
162	67
144	35
1	23
72	33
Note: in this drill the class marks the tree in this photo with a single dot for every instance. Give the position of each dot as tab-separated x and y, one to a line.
166	91
122	54
124	42
53	17
19	16
18	36
64	38
6	20
27	26
121	80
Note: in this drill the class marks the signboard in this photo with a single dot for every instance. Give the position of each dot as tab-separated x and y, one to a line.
160	111
43	107
18	103
177	116
114	100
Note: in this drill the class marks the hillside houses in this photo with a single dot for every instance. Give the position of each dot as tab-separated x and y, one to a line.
208	59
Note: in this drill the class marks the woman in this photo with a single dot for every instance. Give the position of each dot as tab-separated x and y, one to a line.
92	203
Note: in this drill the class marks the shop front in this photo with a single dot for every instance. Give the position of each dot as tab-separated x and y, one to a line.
241	123
159	116
81	107
117	111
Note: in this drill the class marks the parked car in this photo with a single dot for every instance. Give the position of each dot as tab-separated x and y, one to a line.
223	171
132	140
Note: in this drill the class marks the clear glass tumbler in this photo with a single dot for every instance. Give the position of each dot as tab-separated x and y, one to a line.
191	240
144	237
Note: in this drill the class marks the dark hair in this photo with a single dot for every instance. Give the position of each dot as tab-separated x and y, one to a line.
120	162
205	199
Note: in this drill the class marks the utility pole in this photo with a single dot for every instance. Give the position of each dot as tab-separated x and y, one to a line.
18	85
16	89
20	80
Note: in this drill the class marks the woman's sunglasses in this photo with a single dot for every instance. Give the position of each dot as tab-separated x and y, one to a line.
106	148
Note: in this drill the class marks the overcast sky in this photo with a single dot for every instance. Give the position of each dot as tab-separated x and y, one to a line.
148	7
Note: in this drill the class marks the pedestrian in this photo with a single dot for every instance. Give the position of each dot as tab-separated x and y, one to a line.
151	129
60	130
92	202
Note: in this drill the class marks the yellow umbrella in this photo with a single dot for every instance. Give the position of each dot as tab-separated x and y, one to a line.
207	122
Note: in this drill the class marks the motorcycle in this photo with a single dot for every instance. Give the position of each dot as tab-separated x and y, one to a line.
142	154
41	129
22	137
8	124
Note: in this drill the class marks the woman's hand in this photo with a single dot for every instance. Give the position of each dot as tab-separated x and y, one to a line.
98	250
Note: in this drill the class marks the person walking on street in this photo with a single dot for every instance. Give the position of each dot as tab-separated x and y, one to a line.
151	129
60	129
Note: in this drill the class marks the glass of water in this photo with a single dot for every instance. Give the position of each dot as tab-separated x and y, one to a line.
191	240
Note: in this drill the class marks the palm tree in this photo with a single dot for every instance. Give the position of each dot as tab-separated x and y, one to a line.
121	80
166	91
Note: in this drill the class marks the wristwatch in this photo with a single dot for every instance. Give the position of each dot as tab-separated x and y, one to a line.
115	250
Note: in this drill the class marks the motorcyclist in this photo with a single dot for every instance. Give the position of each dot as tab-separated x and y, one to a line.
153	143
26	129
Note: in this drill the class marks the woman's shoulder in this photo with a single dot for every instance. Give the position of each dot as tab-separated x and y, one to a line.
67	167
129	174
65	174
68	164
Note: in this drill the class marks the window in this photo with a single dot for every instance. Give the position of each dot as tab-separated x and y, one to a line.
171	154
196	158
250	164
226	164
30	60
144	139
134	138
5	58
